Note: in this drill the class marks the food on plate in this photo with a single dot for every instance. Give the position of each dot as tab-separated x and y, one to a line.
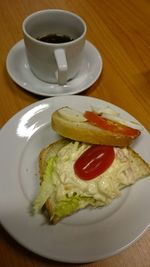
103	126
74	175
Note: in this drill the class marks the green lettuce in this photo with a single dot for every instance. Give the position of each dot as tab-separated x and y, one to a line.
70	204
46	186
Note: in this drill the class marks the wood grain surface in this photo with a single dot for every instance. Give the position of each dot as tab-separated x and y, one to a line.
120	30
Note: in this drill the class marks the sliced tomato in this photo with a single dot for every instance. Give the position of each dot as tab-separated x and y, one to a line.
94	161
114	127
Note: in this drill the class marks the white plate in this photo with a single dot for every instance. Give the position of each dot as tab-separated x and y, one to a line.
18	69
88	235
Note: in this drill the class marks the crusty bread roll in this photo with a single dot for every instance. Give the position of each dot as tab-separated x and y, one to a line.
136	169
80	130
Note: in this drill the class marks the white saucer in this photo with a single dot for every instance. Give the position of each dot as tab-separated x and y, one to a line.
18	69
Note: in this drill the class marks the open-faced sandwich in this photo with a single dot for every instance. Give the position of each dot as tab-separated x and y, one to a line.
75	173
103	126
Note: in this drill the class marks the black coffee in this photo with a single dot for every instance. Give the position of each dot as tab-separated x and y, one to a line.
55	38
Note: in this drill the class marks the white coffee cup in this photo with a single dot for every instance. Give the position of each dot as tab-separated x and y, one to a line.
54	62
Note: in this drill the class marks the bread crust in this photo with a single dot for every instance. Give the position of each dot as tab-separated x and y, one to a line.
143	169
49	208
87	133
48	151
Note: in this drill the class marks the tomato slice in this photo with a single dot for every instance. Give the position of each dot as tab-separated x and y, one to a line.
94	161
114	127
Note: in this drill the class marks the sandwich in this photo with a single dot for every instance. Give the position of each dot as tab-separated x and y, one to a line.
76	174
103	126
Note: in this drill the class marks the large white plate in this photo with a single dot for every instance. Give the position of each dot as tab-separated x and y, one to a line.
19	70
88	235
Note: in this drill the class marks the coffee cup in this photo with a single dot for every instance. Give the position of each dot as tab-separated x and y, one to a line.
54	41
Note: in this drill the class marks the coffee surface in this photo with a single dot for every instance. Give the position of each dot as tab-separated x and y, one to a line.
55	38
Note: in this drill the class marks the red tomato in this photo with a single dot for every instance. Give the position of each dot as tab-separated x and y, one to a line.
109	125
94	161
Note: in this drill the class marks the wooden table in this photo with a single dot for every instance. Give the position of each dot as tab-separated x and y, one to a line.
121	32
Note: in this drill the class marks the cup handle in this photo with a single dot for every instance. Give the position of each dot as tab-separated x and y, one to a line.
62	66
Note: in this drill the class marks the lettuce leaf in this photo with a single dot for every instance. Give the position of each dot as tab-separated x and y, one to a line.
70	204
46	186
